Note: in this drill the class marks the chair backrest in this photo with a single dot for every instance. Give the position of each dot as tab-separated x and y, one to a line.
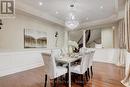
82	51
50	64
63	51
91	58
85	62
56	53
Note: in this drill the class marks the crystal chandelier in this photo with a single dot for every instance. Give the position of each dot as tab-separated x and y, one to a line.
71	21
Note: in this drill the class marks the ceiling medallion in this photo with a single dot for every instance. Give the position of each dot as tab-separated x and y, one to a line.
71	21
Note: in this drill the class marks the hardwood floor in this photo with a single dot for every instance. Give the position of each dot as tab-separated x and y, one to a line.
105	75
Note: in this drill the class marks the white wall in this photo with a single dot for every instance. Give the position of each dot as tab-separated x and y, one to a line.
13	62
92	44
107	37
95	34
13	57
77	34
12	33
106	55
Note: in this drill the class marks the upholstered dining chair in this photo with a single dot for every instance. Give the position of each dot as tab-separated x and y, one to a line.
52	71
82	68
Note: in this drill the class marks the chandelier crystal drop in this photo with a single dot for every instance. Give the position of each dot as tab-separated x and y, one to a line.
71	21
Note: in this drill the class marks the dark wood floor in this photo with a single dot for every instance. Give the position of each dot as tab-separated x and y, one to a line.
105	75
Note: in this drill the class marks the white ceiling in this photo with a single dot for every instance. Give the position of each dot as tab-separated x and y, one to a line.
85	10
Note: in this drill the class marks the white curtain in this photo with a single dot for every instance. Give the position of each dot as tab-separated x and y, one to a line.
127	25
126	80
121	44
121	58
121	30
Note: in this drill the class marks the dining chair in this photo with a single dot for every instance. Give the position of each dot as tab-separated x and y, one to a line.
82	68
51	70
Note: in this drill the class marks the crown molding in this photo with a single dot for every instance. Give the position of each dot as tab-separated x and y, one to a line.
109	20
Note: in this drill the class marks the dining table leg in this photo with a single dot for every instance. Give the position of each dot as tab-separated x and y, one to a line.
69	75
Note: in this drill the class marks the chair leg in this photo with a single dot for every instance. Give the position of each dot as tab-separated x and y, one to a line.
66	79
91	72
82	78
88	73
75	77
55	82
45	80
60	81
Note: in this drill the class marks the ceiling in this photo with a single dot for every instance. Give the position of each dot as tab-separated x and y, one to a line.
85	10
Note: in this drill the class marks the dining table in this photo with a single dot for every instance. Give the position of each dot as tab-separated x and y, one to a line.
68	60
